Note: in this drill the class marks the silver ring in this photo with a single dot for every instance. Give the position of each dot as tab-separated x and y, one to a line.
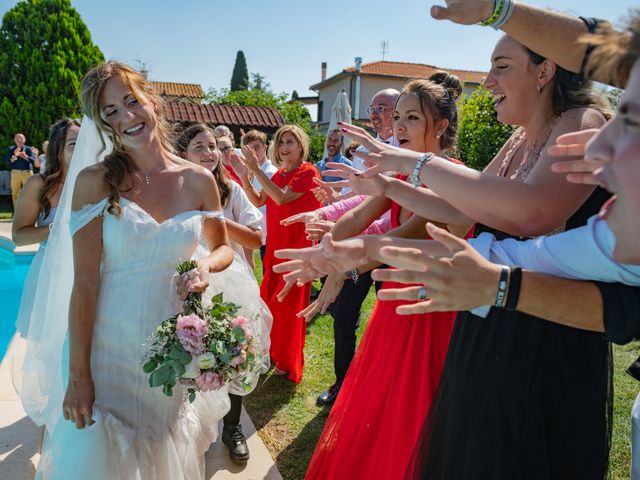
422	293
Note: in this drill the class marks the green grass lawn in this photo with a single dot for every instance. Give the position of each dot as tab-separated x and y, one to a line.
290	423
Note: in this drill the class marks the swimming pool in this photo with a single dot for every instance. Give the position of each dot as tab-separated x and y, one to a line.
13	270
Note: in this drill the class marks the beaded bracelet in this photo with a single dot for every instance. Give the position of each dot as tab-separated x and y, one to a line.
513	294
502	11
414	178
501	296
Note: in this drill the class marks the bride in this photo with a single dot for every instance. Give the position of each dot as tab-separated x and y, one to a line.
135	216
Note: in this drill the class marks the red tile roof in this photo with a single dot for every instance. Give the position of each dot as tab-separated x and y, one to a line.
192	90
224	115
415	70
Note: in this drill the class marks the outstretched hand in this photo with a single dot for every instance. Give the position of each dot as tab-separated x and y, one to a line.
250	159
330	291
305	217
385	156
574	144
329	256
455	275
464	12
369	182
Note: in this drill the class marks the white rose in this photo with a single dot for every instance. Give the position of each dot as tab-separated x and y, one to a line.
191	369
206	361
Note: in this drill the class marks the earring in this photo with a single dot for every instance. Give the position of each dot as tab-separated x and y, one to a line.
539	88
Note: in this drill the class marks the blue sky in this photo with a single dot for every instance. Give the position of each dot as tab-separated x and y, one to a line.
196	41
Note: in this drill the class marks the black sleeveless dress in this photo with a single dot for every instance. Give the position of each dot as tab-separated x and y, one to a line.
520	398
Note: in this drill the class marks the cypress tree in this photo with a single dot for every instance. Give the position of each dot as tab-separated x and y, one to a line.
240	76
45	49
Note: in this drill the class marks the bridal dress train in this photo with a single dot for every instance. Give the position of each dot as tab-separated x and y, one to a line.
139	432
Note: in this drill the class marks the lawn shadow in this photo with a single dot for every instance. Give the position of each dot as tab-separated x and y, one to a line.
269	396
294	459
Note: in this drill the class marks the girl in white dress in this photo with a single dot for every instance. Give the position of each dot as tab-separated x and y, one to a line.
136	216
198	145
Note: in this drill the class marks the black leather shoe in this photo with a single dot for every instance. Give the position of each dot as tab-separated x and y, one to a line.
233	438
328	397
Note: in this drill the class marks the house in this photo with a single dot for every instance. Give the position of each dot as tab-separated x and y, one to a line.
179	92
265	119
363	80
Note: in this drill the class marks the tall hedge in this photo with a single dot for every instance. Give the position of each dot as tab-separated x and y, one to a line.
480	135
45	49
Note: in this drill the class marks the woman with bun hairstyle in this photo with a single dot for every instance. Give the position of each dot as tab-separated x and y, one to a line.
386	394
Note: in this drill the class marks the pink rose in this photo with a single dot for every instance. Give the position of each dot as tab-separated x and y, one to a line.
209	381
190	329
239	359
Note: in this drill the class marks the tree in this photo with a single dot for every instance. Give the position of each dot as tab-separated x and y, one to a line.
259	82
294	95
240	76
613	96
45	49
480	135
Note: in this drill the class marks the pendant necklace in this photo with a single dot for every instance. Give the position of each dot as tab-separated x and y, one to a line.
146	178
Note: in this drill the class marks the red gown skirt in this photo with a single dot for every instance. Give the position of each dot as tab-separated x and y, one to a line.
376	420
288	331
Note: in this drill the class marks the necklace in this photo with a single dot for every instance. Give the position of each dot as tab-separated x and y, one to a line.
146	178
529	156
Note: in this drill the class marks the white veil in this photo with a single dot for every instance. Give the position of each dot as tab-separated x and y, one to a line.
44	368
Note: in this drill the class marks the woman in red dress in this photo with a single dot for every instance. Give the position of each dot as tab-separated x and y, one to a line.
287	192
376	420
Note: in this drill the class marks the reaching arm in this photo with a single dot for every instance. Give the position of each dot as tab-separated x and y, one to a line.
537	205
247	237
24	230
553	35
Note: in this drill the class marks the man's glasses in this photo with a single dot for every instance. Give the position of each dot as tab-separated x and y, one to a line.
226	150
377	109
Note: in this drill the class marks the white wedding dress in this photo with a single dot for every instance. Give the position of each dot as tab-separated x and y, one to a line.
139	432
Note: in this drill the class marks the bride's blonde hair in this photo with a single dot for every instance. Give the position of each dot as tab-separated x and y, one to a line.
117	164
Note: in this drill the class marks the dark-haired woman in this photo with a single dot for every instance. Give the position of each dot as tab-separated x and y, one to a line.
36	208
388	388
520	397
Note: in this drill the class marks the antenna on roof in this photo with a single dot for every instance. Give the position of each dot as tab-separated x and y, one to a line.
142	67
384	48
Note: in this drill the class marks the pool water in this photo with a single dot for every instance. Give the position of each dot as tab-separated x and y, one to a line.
13	270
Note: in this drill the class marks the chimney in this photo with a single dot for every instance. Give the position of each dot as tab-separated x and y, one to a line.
323	77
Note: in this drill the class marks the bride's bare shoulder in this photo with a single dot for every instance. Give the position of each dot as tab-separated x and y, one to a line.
90	186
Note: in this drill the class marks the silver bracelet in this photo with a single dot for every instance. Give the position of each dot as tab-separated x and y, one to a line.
352	275
505	15
414	178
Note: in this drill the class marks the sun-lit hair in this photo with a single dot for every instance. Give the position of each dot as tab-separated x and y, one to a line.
118	165
301	137
438	97
253	136
615	52
53	168
182	144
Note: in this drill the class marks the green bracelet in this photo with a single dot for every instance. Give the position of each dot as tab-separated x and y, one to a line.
498	5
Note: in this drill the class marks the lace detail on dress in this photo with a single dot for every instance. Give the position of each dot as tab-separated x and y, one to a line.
80	218
212	214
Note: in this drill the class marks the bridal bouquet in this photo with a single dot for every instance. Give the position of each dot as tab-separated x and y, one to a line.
201	348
